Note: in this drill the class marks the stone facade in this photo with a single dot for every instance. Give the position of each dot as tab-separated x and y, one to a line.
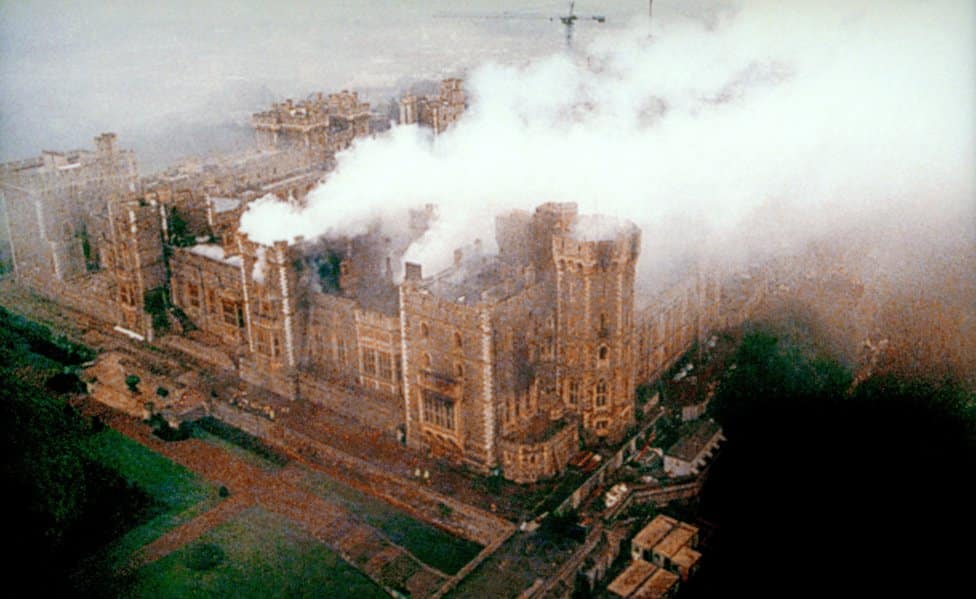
55	209
504	355
319	125
436	112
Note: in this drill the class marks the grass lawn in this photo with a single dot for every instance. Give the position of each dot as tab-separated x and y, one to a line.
431	545
259	554
180	494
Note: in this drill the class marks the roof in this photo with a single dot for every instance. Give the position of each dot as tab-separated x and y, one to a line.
695	436
225	204
214	252
657	585
679	537
631	578
686	558
651	534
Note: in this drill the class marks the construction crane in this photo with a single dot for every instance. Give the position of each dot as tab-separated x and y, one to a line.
569	19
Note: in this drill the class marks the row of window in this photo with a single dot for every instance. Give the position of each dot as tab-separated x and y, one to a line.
377	364
600	390
458	340
230	311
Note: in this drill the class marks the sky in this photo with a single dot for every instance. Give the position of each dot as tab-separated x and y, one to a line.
750	125
748	128
181	77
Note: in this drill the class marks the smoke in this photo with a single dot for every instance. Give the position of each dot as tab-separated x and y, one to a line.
762	127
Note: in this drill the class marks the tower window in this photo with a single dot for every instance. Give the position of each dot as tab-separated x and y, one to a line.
603	353
601	393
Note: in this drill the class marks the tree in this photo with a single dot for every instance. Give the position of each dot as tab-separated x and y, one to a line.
132	382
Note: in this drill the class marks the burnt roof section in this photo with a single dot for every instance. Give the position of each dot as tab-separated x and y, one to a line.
477	278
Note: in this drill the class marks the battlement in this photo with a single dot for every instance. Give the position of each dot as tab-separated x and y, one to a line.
315	112
597	241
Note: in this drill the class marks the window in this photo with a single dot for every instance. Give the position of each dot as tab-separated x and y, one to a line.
341	351
438	410
126	296
603	353
265	342
369	361
604	325
458	343
385	366
458	370
601	425
229	310
601	393
193	295
427	361
574	389
424	330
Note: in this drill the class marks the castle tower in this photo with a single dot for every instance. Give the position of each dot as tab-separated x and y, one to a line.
135	259
595	263
275	326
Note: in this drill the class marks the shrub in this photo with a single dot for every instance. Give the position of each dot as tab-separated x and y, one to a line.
132	382
223	491
162	391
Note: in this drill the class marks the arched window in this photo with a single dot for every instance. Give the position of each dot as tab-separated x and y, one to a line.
458	370
458	343
603	353
424	330
601	393
427	361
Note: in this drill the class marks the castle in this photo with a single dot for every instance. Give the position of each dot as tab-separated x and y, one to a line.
503	362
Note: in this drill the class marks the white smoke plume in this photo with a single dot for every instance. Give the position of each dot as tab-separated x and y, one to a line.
779	120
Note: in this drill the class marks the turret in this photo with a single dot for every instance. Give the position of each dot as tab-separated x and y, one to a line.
595	262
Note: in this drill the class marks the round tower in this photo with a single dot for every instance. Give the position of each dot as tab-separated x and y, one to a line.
595	263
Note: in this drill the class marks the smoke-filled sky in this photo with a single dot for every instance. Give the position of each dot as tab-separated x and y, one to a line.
780	119
178	77
824	113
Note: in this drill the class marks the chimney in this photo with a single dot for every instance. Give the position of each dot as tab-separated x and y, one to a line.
412	272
